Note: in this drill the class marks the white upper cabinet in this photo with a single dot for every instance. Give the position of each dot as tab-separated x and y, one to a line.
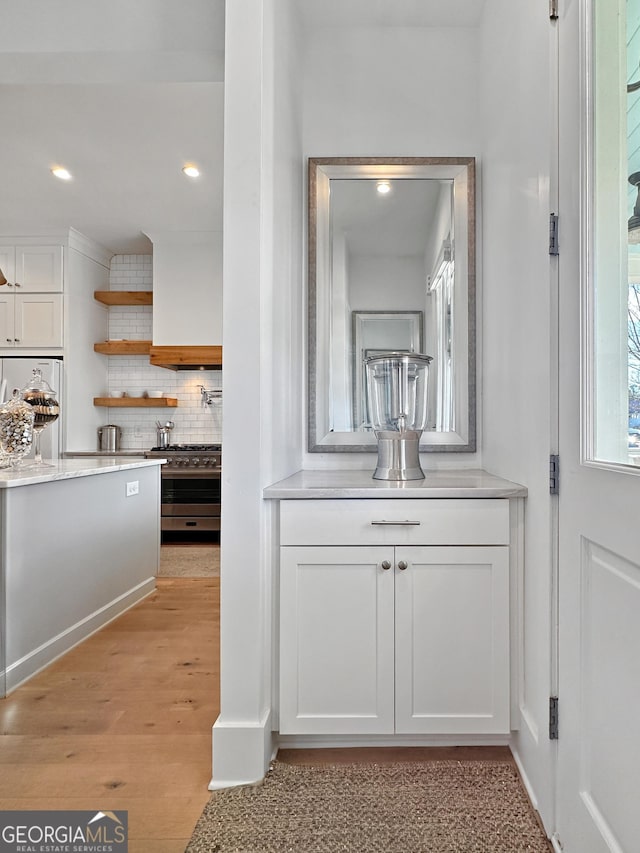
8	266
31	310
38	320
36	269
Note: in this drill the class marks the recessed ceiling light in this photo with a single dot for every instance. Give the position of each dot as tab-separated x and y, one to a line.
383	187
191	171
61	173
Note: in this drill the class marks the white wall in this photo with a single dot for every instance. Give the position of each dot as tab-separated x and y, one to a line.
86	269
372	277
376	91
263	321
391	91
519	414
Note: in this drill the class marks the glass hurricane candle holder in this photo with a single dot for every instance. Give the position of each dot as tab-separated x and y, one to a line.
42	398
16	430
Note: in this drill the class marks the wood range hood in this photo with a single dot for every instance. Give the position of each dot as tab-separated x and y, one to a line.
186	357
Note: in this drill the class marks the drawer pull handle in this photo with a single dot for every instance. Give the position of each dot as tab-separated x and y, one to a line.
402	565
386	565
410	523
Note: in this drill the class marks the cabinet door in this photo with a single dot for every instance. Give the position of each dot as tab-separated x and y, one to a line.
8	264
39	269
452	640
7	302
336	640
38	320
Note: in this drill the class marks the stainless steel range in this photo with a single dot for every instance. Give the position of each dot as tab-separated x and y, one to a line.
190	486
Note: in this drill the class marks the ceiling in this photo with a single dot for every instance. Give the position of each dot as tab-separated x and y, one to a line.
395	224
123	93
125	146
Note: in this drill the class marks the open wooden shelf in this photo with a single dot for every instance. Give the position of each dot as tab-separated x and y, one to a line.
136	402
178	357
123	347
124	297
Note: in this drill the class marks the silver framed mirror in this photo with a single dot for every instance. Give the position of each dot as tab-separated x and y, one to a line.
391	264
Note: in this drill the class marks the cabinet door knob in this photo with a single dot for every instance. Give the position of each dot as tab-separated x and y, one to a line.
386	565
18	284
9	284
402	565
17	340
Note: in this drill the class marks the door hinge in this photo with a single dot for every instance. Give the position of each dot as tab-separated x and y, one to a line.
553	10
553	234
554	474
553	718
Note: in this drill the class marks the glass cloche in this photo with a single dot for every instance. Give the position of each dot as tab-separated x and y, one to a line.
42	399
16	430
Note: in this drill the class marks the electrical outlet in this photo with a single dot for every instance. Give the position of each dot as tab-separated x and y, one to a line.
133	488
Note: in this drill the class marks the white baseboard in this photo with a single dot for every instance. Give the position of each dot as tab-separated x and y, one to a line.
36	660
347	741
242	751
525	779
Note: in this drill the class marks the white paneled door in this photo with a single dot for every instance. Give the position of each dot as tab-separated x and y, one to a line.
599	500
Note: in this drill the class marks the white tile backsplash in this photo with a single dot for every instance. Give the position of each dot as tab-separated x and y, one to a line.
194	423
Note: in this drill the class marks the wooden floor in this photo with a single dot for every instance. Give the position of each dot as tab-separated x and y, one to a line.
123	721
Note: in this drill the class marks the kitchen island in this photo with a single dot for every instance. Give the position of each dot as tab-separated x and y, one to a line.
80	544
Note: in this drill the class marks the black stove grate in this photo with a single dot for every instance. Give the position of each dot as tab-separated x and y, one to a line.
188	448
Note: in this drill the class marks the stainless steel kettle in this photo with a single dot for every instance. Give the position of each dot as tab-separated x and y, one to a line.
109	438
163	434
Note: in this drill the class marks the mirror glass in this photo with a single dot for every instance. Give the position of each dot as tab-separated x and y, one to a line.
391	267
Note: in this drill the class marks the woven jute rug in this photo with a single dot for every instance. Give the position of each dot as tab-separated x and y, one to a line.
184	561
410	807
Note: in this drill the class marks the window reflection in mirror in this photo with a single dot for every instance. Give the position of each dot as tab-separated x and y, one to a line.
391	267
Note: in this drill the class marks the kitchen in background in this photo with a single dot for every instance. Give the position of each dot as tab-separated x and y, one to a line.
196	422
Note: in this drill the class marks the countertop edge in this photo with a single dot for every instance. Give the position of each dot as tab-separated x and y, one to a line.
343	484
71	469
102	454
271	493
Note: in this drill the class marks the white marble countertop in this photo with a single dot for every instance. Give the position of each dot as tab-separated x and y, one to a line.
110	454
458	483
67	469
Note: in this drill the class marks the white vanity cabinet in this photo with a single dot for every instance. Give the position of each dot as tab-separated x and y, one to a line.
394	617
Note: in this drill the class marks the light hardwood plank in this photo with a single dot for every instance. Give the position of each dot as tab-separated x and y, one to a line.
123	721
